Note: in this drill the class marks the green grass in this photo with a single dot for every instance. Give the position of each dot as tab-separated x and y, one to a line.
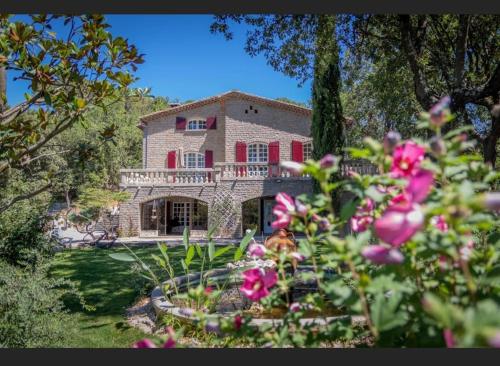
110	286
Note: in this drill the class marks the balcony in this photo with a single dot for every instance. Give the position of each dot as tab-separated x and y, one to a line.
224	172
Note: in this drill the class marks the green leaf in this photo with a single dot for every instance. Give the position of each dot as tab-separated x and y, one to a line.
211	250
385	314
238	254
185	237
123	257
221	251
246	239
348	209
374	194
199	251
190	255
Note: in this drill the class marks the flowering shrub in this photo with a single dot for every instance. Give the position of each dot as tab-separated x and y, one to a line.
420	266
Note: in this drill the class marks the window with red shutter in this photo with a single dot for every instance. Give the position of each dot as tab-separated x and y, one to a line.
180	123
209	159
241	152
241	157
171	159
274	152
297	151
211	123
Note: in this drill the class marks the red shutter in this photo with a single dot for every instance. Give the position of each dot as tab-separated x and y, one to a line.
209	159
241	152
209	162
171	157
241	157
274	152
180	123
211	123
297	151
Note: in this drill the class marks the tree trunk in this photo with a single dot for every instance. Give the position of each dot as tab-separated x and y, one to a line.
3	89
490	142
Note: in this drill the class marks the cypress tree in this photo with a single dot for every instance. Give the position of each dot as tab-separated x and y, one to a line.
327	120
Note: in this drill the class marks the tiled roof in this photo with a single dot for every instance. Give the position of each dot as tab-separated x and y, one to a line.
231	94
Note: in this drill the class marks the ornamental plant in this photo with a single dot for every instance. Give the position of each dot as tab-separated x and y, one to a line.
418	267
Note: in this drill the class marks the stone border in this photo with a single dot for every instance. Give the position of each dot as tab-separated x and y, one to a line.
162	305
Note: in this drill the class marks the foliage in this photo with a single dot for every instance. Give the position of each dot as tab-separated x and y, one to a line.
420	266
327	119
32	313
67	74
23	241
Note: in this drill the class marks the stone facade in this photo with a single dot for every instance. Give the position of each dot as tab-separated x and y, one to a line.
240	118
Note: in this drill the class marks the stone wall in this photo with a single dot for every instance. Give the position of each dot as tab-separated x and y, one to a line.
240	190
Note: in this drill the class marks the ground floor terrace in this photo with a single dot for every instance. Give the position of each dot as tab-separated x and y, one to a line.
232	198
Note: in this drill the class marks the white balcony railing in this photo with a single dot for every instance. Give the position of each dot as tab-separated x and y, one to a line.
225	172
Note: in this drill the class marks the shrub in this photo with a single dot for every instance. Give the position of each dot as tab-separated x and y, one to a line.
420	265
31	308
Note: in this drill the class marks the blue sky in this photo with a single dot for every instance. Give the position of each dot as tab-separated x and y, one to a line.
184	60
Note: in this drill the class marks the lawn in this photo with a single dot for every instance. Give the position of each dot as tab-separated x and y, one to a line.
110	286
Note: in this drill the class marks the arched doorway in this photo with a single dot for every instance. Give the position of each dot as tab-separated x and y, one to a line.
258	213
170	215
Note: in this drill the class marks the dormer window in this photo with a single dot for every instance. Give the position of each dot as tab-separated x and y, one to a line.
197	124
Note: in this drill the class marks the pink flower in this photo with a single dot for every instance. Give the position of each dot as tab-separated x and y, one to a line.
283	218
495	340
362	219
284	199
144	343
360	223
257	282
440	111
399	223
294	307
448	338
147	343
170	342
327	161
440	223
293	166
238	322
380	254
256	250
443	263
466	250
406	159
208	290
420	185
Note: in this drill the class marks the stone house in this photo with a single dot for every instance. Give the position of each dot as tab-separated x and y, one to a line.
215	162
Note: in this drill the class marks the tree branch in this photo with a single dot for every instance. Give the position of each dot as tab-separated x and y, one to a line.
422	91
25	196
461	46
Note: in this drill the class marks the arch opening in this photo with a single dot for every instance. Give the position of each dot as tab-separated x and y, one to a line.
257	213
170	215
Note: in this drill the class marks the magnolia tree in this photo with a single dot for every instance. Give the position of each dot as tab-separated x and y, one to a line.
420	267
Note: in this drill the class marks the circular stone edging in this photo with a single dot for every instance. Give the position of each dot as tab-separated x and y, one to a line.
162	305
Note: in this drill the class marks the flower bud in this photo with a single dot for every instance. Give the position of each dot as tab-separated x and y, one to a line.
440	112
391	140
437	146
300	208
492	201
293	166
328	161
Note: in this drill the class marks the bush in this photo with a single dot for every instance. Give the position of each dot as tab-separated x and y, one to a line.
32	313
420	266
22	238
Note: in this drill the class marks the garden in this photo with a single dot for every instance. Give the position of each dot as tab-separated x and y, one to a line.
406	257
